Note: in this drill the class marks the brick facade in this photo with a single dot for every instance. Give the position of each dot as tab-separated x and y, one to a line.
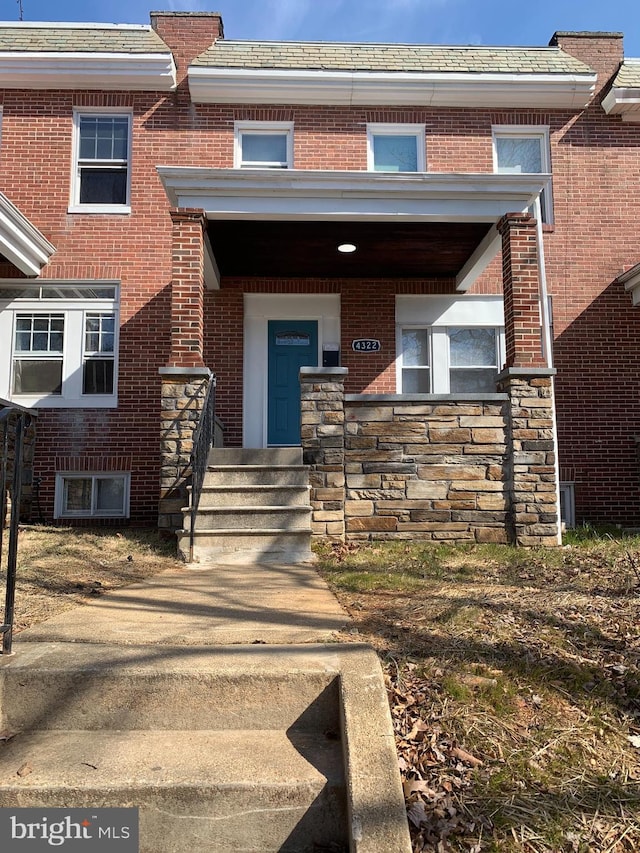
592	240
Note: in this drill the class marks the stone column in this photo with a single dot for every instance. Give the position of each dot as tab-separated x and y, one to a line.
322	433
182	397
531	470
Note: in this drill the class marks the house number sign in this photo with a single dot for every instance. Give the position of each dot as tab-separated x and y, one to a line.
366	345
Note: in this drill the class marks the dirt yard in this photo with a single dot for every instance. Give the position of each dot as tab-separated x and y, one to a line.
513	675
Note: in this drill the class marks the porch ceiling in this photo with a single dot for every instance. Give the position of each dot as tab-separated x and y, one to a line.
292	249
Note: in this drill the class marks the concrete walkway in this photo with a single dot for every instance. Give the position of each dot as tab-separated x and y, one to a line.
205	605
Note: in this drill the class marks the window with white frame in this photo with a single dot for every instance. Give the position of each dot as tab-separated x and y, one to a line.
64	343
102	162
85	495
519	149
447	345
396	148
263	145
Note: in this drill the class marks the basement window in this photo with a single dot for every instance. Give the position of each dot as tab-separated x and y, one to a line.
92	495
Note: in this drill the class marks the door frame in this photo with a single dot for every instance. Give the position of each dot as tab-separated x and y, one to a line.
259	308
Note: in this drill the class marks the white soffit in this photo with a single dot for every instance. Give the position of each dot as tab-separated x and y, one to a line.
623	101
277	194
209	85
62	70
20	241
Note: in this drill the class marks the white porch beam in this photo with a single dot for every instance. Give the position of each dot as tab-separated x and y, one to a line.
20	241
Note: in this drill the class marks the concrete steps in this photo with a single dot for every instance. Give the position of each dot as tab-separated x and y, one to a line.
254	506
220	749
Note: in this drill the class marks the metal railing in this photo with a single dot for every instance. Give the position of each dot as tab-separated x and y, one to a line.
203	441
14	423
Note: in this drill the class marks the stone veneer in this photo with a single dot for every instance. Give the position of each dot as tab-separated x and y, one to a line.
463	469
531	471
28	446
183	393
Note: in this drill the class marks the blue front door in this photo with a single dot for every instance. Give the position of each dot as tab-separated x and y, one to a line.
292	344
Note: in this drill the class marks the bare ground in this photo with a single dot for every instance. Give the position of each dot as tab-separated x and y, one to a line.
513	676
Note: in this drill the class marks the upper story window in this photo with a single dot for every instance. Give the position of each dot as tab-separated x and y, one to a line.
519	149
396	148
263	145
64	343
102	170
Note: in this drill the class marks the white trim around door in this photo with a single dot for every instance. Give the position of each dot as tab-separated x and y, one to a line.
259	308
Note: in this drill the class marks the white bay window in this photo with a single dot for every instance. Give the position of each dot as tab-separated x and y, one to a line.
62	344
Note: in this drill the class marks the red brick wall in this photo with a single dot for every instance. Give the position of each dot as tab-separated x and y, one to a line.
596	165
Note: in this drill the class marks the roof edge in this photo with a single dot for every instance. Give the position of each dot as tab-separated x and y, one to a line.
375	88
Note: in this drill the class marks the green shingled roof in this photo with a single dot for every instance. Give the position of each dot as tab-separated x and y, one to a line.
79	38
629	75
332	56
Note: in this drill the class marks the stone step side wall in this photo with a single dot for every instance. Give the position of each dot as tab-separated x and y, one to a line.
426	470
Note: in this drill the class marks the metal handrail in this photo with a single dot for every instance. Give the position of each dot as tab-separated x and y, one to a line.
23	418
203	441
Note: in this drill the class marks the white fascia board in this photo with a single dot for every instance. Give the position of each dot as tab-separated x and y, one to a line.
625	102
20	241
631	281
358	88
341	195
62	70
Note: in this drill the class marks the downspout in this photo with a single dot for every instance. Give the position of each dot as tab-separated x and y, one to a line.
547	349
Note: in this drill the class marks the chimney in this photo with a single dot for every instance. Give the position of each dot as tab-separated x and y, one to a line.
187	34
603	52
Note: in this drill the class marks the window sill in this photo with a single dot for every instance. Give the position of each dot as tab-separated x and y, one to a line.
548	228
58	402
111	209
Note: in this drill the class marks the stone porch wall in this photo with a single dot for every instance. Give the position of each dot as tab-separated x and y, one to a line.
428	470
473	469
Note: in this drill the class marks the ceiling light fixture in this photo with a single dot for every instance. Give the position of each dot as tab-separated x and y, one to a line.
347	248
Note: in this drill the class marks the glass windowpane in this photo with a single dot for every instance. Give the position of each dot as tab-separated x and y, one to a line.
415	347
393	153
97	376
518	154
416	380
471	380
77	494
472	347
110	494
103	186
264	148
37	376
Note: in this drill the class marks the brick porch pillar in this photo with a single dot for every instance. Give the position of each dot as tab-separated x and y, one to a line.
530	466
185	379
322	435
